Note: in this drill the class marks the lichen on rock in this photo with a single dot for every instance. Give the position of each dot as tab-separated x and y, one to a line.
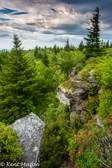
30	131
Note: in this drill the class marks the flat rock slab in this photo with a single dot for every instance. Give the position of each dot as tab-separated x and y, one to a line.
30	134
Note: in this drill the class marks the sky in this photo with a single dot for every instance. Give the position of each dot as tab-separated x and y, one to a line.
49	22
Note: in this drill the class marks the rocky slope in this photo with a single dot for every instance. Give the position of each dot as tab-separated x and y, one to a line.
75	93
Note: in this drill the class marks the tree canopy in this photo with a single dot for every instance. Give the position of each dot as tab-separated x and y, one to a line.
19	87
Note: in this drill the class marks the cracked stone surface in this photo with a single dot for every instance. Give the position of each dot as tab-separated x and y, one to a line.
30	135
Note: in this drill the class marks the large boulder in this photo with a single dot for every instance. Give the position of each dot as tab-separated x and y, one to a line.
30	131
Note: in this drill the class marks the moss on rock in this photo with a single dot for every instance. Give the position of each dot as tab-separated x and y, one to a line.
85	72
68	85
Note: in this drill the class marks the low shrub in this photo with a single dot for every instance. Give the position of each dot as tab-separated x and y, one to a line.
10	150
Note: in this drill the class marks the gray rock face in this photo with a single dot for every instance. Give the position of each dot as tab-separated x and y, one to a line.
62	97
74	96
30	135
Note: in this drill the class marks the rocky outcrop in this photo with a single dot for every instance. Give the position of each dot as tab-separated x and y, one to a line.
79	93
30	131
74	91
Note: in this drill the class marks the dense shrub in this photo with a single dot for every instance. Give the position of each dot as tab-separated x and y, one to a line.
84	151
10	150
54	144
105	104
107	74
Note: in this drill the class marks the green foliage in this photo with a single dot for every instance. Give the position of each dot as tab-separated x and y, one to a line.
107	74
89	160
16	45
81	46
93	60
91	104
84	151
75	122
54	144
93	43
85	72
36	52
70	60
67	47
45	58
10	150
108	123
3	58
64	60
100	68
105	104
19	94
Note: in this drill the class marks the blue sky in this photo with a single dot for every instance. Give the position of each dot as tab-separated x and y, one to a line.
49	22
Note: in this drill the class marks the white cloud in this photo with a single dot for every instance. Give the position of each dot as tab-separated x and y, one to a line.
43	15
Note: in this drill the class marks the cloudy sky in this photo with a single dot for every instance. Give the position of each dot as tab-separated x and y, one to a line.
49	22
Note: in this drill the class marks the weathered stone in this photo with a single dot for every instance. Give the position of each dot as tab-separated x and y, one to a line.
78	77
72	74
81	84
79	107
30	135
99	122
79	95
91	78
62	97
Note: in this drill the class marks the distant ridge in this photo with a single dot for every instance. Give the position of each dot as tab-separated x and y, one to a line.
5	50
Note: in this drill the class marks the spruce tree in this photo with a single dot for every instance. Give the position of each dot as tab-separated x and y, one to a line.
67	47
19	85
55	49
81	46
36	52
93	43
45	57
107	44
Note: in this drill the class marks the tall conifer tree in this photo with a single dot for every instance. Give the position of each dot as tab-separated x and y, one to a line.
36	52
18	85
45	57
67	47
93	43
